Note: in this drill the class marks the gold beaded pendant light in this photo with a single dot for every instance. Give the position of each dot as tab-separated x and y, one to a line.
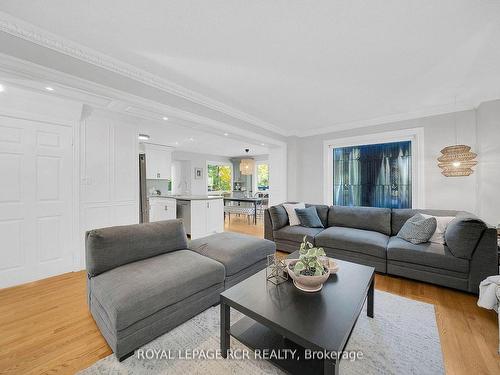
457	160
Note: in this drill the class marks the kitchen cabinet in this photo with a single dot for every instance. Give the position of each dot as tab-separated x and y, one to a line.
158	162
215	216
201	217
161	208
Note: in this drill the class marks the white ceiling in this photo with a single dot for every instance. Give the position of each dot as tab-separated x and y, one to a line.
186	138
304	66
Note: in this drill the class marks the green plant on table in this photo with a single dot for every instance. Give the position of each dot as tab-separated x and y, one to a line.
309	263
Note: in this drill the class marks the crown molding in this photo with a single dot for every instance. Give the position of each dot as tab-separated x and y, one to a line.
27	31
27	75
407	116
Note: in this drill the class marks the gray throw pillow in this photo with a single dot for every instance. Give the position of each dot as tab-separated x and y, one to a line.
279	217
308	217
418	229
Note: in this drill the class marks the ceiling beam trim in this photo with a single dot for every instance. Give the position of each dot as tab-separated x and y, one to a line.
27	31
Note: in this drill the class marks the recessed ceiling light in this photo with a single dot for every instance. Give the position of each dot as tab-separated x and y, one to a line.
262	144
226	134
48	88
143	137
191	139
164	118
176	143
2	88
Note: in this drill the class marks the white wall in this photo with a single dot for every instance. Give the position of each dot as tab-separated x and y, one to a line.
488	140
294	169
109	180
278	173
462	193
184	164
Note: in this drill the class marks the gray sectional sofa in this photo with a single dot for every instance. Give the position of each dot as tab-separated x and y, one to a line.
145	279
367	235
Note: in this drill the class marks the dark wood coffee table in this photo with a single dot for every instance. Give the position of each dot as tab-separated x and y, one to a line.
283	317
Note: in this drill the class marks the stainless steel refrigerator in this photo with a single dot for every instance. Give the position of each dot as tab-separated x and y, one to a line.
143	201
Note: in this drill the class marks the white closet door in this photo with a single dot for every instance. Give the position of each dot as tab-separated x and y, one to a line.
36	181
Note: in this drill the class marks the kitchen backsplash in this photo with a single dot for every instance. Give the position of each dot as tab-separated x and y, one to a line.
163	186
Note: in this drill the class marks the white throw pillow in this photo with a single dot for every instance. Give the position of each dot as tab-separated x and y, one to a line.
442	224
292	215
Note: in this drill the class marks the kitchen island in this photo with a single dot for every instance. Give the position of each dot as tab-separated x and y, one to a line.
202	214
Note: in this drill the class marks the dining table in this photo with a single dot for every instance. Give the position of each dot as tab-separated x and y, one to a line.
254	200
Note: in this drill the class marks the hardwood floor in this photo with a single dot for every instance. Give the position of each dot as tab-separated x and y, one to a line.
45	326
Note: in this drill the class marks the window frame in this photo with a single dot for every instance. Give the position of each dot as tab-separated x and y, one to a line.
220	163
255	183
414	135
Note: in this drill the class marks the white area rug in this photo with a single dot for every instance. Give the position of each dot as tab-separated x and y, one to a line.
401	339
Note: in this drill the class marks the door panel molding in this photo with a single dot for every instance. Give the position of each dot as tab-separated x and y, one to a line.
36	219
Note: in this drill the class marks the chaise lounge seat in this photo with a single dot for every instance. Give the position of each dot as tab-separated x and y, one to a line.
241	255
130	298
143	280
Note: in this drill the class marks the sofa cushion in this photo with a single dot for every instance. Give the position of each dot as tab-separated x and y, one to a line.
308	217
427	254
399	216
296	233
112	247
279	217
368	218
418	229
287	246
293	219
463	234
136	290
235	251
352	239
322	210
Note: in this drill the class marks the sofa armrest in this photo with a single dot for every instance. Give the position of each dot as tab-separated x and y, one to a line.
279	217
268	226
484	261
463	234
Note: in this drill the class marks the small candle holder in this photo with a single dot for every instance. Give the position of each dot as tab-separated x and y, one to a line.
276	272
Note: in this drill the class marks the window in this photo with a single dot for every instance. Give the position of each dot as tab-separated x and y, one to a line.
375	175
262	177
219	177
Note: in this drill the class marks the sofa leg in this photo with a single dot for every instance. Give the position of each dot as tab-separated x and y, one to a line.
124	357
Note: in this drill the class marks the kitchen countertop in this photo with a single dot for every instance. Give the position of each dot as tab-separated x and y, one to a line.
187	197
195	197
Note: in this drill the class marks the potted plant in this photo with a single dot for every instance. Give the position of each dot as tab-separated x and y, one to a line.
309	272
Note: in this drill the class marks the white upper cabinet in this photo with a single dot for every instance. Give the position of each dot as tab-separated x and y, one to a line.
158	162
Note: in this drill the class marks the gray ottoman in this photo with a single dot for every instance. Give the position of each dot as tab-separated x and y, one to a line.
241	255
